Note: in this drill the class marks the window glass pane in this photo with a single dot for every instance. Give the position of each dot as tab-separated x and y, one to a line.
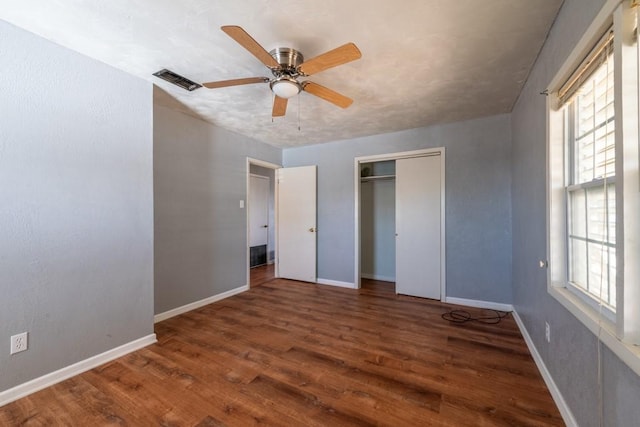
584	158
584	112
604	151
577	206
600	224
600	282
578	265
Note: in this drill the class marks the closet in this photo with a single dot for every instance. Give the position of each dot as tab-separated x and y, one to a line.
401	210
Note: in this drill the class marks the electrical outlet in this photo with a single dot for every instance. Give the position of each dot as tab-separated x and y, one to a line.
547	331
19	342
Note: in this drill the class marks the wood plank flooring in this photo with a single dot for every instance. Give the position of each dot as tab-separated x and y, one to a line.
261	274
295	354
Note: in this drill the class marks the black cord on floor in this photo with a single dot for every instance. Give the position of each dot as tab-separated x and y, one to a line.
462	316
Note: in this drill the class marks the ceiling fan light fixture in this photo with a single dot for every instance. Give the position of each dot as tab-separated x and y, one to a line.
285	87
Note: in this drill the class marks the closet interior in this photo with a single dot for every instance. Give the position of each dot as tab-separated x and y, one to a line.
378	220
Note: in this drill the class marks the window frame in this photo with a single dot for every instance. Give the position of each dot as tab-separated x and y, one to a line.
619	331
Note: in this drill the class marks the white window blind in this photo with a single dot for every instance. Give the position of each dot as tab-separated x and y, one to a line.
597	56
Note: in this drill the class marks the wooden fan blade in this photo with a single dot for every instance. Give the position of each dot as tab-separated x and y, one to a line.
235	82
246	41
279	107
327	94
338	56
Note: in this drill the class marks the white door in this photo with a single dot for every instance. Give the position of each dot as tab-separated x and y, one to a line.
297	223
258	210
418	210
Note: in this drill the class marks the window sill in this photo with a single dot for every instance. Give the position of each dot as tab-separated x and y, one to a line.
599	326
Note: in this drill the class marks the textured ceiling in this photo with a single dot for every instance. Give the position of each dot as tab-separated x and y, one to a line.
423	61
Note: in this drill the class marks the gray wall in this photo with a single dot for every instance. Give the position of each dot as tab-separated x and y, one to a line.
271	173
572	354
200	176
76	207
478	201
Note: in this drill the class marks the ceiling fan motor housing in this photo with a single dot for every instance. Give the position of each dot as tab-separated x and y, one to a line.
289	59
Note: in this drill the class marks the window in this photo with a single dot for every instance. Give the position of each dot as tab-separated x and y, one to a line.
590	190
594	183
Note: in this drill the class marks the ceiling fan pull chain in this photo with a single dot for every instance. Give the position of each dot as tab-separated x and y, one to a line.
299	114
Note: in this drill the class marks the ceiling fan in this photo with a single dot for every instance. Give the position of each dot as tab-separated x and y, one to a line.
287	65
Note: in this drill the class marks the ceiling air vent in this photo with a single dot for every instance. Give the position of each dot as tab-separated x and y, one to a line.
177	79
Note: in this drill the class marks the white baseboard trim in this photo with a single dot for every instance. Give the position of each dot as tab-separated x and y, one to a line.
349	285
566	413
197	304
378	277
55	377
479	304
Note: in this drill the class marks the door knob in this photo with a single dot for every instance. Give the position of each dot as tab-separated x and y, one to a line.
265	226
312	229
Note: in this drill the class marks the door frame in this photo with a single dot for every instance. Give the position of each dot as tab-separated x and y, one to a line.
268	165
395	156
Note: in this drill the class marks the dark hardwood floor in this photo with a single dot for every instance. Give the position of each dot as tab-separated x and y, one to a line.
378	287
261	274
296	354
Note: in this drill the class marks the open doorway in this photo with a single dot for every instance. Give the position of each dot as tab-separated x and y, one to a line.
261	221
378	225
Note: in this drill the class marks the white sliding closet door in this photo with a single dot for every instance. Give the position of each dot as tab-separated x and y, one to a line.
418	223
